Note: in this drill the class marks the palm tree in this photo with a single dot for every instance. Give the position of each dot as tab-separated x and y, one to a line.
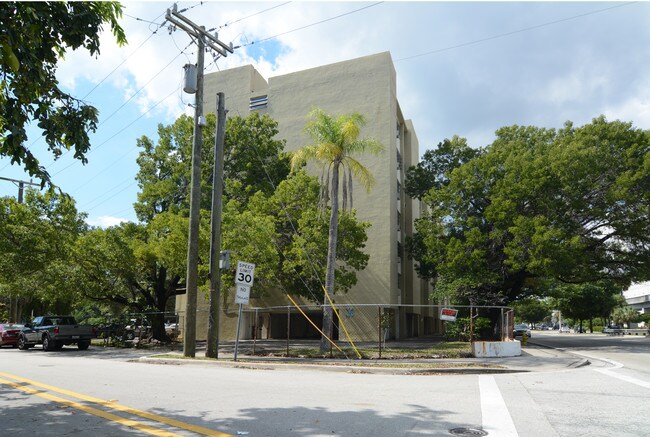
335	141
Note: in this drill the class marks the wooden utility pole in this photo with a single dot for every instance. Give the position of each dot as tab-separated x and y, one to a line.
203	38
212	350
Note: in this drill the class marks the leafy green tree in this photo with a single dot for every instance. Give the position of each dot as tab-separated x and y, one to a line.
433	172
302	230
335	142
36	241
137	266
586	301
252	156
33	37
625	315
286	234
434	168
531	310
568	205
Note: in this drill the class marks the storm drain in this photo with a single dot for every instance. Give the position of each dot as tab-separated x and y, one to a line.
467	432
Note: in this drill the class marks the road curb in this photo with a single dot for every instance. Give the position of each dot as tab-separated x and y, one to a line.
400	368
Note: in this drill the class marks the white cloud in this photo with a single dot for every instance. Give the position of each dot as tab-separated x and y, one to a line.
576	85
470	83
105	221
635	109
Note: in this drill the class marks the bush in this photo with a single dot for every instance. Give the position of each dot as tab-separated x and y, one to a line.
460	329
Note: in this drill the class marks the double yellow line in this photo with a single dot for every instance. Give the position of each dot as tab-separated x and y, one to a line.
26	385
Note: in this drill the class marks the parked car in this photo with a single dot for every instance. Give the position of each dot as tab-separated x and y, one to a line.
54	332
612	329
139	328
9	334
565	329
522	329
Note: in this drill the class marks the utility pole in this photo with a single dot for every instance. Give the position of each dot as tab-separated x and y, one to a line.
203	38
212	350
13	301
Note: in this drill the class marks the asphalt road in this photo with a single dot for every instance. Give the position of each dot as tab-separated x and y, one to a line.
630	351
105	393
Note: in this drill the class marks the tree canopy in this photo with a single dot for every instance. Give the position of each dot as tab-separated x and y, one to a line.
252	157
587	301
33	37
37	238
570	205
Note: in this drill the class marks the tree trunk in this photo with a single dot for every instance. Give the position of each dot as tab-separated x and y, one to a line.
158	328
331	260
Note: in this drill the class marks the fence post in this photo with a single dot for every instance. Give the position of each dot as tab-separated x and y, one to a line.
379	320
288	327
254	331
471	324
502	323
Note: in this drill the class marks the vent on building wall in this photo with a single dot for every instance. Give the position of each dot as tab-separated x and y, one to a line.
258	103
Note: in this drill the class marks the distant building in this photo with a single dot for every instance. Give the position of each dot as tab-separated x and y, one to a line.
365	85
638	297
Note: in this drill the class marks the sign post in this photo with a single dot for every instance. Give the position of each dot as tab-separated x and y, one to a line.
243	283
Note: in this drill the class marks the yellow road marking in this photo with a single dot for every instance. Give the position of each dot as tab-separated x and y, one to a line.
94	411
161	419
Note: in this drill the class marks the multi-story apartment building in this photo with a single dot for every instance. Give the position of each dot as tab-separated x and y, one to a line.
365	85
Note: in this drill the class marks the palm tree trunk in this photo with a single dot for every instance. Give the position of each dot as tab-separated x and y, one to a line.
331	259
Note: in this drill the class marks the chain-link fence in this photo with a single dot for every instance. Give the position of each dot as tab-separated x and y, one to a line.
138	326
374	329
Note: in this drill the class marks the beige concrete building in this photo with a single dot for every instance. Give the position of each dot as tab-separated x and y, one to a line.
365	85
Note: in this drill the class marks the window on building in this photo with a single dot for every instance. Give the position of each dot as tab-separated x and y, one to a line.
399	161
399	221
258	102
398	135
399	191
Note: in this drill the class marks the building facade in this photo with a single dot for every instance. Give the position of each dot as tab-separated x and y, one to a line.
365	85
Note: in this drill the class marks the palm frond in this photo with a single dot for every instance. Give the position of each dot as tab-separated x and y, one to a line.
363	175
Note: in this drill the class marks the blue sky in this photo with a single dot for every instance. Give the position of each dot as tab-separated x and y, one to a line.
463	68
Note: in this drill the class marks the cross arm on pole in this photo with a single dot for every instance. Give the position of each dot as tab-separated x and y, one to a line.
198	31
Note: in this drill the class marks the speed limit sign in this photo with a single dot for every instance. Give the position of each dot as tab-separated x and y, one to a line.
245	273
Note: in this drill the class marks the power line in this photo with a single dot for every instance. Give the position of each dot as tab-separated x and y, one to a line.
310	25
143	86
514	32
249	16
116	134
98	204
106	77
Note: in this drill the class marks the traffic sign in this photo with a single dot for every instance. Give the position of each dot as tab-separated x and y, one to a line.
245	273
242	294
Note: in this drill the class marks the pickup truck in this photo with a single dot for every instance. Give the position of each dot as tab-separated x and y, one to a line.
54	332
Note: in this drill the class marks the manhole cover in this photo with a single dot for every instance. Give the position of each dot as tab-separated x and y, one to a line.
468	432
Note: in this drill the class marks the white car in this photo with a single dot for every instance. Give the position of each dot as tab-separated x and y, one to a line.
564	329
